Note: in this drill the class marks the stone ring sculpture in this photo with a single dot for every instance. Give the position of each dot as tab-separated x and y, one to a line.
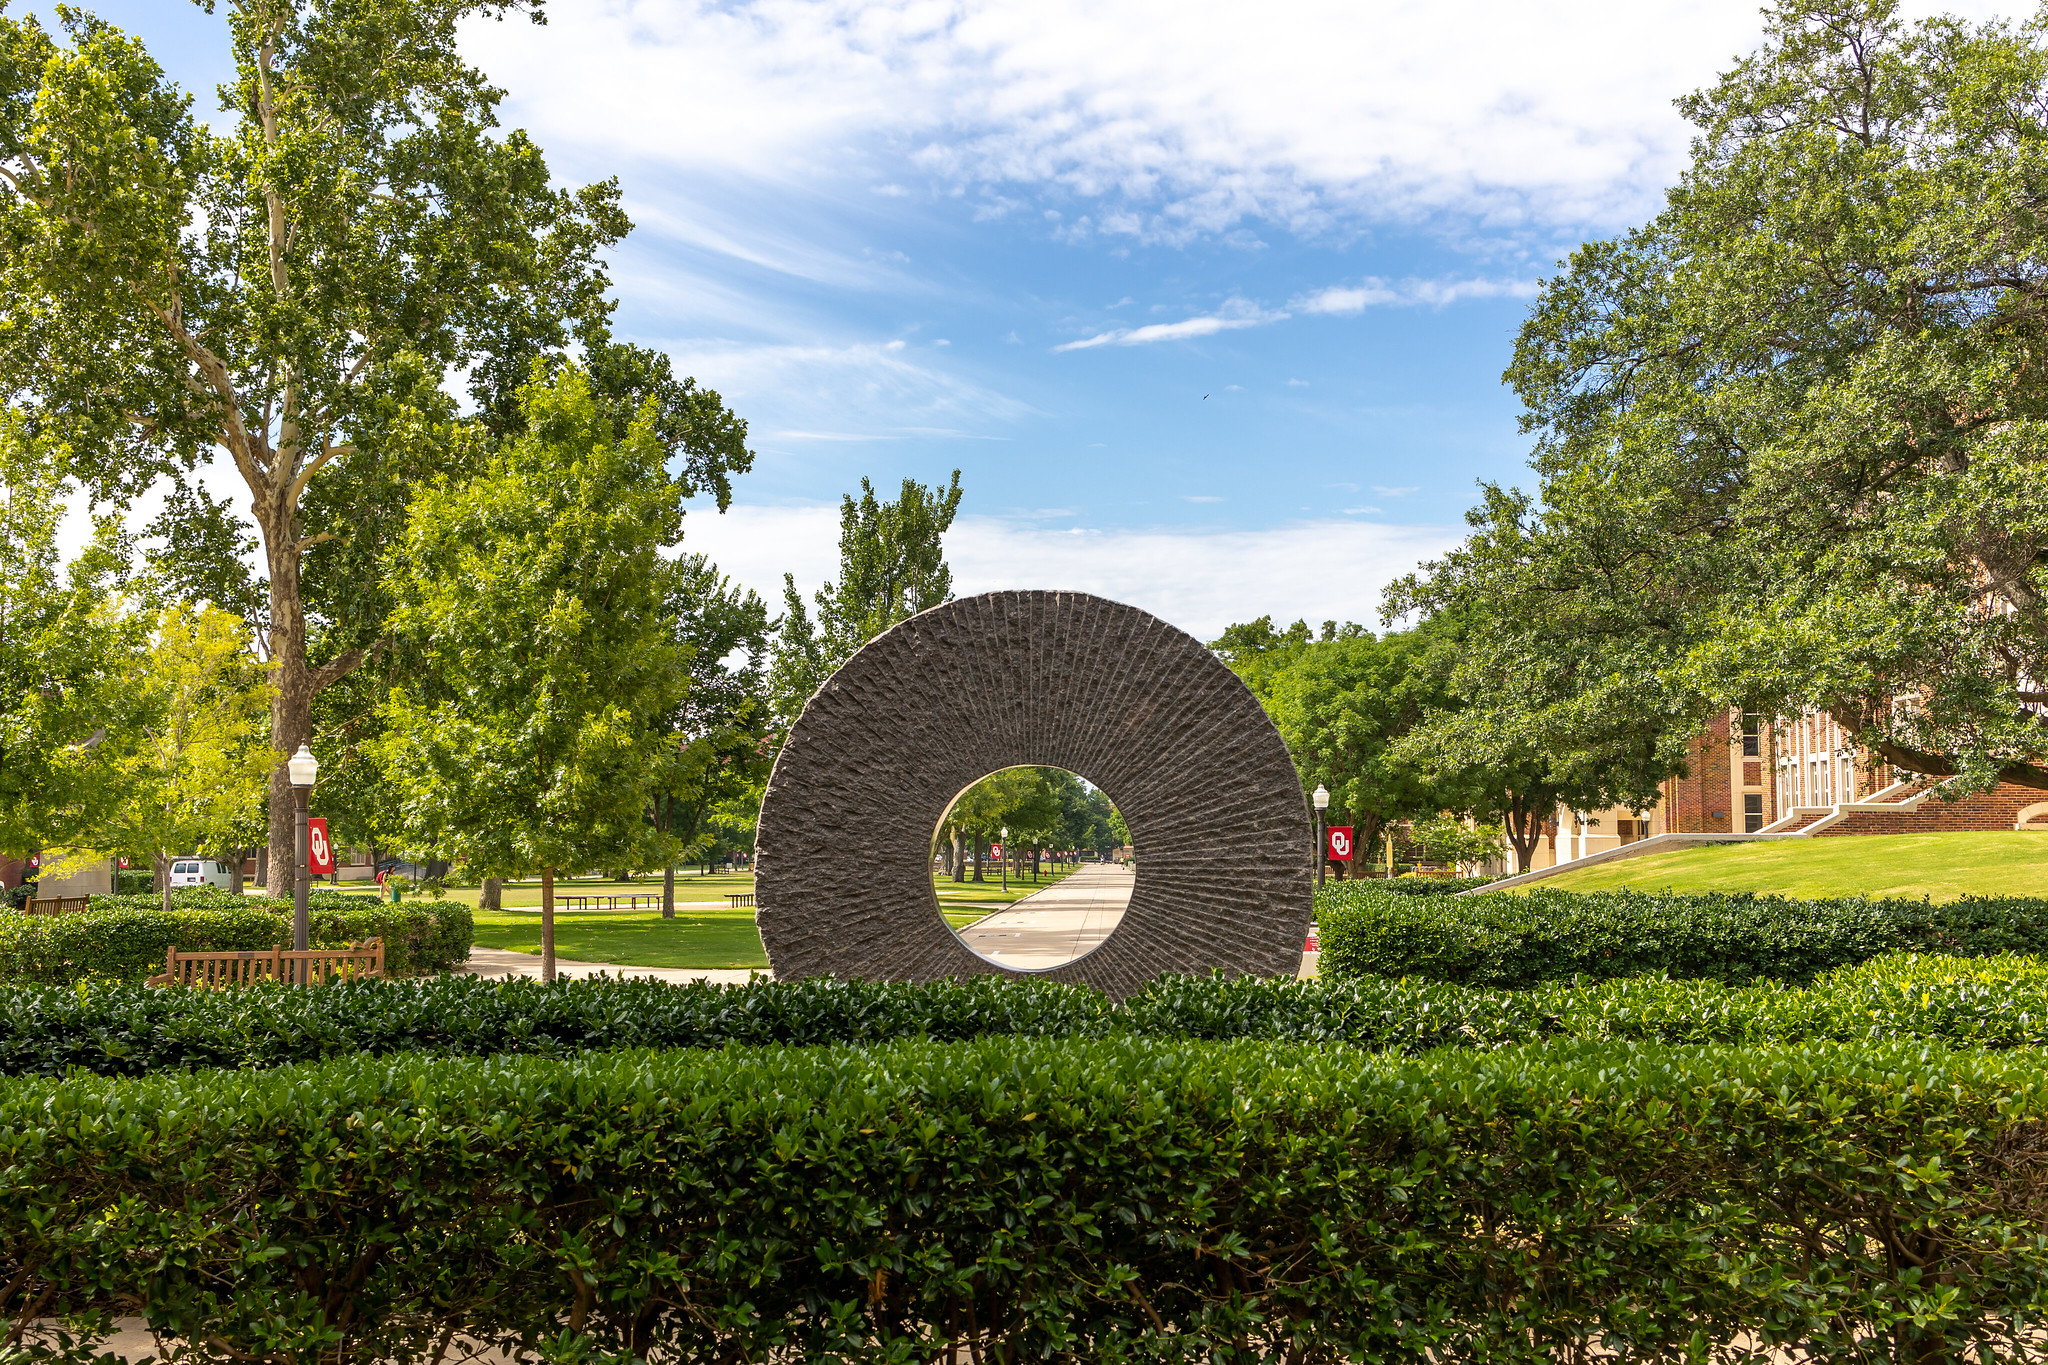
1220	830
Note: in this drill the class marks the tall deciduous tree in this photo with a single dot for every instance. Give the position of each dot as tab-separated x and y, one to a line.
357	230
535	593
1793	432
68	653
891	567
720	747
192	769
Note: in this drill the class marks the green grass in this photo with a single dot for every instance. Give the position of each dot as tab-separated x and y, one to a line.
698	937
1938	866
705	933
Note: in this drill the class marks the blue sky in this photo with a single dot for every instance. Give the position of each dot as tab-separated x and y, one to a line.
1209	303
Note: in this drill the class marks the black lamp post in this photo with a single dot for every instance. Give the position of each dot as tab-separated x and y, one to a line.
1005	858
305	770
1322	800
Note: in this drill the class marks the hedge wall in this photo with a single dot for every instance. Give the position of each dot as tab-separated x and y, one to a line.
1520	939
130	1031
1101	1200
126	937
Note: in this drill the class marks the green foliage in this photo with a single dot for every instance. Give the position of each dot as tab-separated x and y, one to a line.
69	646
1110	1200
1520	940
1342	703
126	937
1789	431
892	566
535	592
126	1030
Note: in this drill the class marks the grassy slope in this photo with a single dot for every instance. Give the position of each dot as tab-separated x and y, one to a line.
1940	866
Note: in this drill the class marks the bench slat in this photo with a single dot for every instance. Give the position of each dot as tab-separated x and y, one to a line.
314	966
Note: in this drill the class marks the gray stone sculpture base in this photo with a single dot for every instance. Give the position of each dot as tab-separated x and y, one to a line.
1219	827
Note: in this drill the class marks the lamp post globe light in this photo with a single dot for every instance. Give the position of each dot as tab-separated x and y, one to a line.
1322	800
1004	861
305	770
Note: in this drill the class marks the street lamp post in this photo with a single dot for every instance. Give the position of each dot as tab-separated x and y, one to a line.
1322	800
305	770
1006	857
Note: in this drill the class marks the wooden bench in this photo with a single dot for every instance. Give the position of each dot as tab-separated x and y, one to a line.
57	905
736	899
315	966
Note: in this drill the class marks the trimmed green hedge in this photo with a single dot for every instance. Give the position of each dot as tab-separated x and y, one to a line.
1102	1201
131	1031
126	937
1521	939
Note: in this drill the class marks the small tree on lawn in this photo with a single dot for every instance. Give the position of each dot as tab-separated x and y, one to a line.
192	772
530	741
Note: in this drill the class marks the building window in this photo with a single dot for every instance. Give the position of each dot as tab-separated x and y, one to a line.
1752	812
1752	735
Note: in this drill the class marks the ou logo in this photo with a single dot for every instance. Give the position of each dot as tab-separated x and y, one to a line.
319	844
1340	843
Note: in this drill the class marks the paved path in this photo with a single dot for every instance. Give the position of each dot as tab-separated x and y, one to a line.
1054	926
503	962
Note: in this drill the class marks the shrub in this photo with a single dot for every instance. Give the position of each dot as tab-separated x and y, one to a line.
130	1031
1520	940
126	937
1101	1200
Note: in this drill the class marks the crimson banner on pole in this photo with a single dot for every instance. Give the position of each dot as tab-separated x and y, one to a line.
1340	844
319	852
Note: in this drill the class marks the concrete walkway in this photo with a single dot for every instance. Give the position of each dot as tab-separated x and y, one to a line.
503	962
1052	927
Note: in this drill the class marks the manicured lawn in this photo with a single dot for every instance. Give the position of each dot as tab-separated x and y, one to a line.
705	932
1939	866
689	887
696	937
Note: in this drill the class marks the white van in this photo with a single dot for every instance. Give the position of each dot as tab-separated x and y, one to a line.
201	872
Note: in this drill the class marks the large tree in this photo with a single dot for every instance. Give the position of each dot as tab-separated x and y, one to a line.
535	593
287	288
1792	434
69	649
195	763
892	565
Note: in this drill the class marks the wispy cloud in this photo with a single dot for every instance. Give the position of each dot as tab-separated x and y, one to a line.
1200	497
1349	300
1395	492
1234	313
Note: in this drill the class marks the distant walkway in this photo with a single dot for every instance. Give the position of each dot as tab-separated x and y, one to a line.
1051	927
504	962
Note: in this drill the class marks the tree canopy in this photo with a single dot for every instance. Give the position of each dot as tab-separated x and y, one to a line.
1792	434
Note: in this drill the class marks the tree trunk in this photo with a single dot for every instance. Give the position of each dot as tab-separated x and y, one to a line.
547	924
291	705
162	866
977	858
492	897
959	857
668	892
263	867
234	871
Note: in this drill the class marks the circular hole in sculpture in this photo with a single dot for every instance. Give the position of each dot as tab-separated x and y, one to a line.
1032	867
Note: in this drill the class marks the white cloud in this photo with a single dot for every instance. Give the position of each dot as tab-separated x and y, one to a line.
1233	314
1200	581
1200	497
1373	292
1395	492
1156	119
1297	383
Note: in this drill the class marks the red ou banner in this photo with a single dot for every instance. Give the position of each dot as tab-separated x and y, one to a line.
319	852
1340	844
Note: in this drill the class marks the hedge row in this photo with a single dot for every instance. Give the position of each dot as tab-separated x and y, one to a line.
1101	1200
1520	939
127	939
131	1031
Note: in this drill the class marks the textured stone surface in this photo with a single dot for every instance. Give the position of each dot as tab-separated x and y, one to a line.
1219	826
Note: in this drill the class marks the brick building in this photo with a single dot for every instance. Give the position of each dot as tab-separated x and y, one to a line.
1802	776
